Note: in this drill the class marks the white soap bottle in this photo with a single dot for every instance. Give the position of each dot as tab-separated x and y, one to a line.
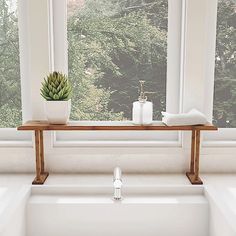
142	109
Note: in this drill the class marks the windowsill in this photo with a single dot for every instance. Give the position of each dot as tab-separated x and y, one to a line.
15	143
109	123
105	143
115	138
10	137
219	144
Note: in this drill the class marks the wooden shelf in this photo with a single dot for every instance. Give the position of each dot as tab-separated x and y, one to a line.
40	126
93	126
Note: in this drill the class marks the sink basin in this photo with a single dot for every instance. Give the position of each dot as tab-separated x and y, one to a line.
90	211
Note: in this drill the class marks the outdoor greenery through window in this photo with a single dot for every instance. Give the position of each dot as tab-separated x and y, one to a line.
10	95
225	69
112	44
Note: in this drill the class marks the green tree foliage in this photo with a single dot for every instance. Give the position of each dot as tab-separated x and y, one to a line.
88	101
10	98
112	45
225	70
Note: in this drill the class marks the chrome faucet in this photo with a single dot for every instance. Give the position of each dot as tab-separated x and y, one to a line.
117	183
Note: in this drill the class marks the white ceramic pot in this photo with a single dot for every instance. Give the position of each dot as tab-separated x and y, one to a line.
58	112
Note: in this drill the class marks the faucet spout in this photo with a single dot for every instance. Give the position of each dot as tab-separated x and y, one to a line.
117	183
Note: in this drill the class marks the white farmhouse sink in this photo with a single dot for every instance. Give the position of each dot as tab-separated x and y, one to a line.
91	211
143	211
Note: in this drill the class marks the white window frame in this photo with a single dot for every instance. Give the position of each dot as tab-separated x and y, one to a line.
173	96
224	137
10	136
35	57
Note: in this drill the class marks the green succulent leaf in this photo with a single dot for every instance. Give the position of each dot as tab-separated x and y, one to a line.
56	87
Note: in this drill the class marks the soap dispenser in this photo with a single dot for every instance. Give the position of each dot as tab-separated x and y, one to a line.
142	109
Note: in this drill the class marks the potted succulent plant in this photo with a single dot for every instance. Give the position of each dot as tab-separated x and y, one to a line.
57	92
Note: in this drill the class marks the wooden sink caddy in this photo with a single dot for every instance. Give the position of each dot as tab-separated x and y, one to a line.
39	126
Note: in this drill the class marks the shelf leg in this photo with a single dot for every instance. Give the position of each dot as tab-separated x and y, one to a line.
41	175
37	155
193	149
41	151
193	175
197	158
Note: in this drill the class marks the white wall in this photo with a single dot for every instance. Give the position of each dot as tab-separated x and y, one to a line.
94	159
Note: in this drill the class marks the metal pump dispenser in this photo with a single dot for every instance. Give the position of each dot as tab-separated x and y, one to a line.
142	97
142	109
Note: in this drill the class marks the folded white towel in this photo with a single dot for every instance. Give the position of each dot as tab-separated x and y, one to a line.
193	117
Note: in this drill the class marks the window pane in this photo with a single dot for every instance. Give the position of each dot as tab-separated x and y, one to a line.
112	44
10	98
225	70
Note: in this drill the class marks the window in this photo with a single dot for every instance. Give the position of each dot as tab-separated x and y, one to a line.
224	113
105	47
10	93
112	44
224	103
